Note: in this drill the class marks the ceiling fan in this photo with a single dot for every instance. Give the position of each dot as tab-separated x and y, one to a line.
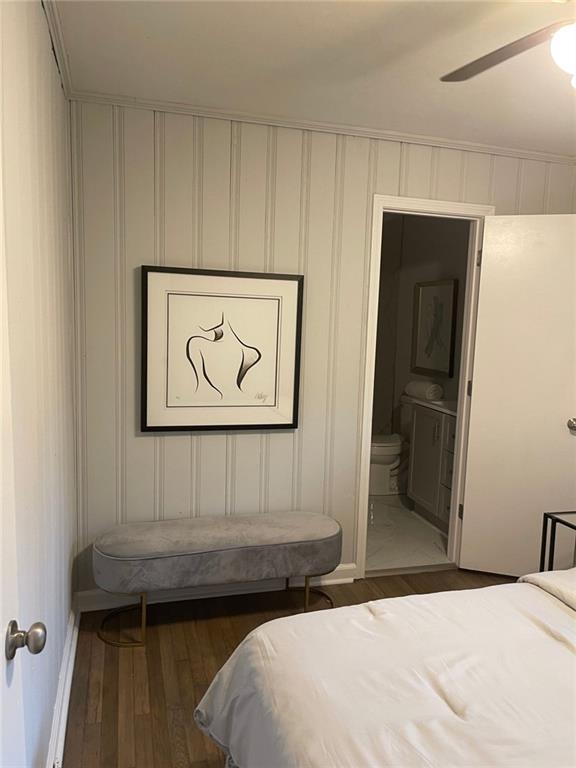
562	37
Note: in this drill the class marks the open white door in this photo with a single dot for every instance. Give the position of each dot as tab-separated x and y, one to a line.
521	458
12	720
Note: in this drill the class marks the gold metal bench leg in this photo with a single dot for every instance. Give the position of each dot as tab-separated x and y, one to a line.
308	590
317	591
125	609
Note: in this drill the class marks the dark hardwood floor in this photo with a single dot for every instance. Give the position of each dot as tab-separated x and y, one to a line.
132	708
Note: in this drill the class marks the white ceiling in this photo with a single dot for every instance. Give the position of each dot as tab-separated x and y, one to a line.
373	65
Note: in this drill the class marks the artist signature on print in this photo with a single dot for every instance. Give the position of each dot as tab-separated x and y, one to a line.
262	396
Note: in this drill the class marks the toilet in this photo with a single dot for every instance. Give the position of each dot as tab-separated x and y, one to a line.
385	464
386	459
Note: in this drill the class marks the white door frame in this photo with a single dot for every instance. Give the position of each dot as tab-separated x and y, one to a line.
421	207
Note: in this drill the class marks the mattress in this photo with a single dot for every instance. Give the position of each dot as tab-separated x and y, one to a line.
482	678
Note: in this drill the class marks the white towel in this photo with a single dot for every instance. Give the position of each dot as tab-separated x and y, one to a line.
424	390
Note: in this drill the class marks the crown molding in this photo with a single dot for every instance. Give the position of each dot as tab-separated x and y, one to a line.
184	108
55	30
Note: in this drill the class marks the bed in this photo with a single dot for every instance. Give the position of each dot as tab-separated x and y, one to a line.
483	677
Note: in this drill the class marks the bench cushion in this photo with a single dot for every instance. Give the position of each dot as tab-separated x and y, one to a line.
173	554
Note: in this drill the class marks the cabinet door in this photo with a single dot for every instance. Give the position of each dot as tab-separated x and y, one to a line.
449	433
447	468
425	457
444	505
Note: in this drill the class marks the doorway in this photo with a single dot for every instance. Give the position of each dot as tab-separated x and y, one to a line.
423	295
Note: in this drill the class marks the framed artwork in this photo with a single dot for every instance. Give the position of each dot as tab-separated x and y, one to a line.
434	326
220	350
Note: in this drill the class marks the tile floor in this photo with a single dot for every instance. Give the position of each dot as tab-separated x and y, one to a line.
399	538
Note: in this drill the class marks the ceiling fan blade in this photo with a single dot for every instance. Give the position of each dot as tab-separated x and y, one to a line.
502	54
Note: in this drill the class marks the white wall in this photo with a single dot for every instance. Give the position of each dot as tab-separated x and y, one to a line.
154	187
37	369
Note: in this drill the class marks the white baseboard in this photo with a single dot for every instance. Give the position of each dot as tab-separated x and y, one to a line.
344	574
60	716
98	600
411	569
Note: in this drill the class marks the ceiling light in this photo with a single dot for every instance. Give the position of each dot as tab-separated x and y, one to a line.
563	50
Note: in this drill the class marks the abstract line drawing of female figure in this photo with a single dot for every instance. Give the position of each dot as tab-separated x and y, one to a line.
435	330
220	361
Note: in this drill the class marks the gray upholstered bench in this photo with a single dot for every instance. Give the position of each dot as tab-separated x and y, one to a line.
138	558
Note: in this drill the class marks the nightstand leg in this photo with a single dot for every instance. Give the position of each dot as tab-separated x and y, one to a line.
552	546
544	542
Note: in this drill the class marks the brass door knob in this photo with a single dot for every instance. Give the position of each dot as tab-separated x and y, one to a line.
34	639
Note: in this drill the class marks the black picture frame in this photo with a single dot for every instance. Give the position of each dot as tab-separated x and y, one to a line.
447	369
282	292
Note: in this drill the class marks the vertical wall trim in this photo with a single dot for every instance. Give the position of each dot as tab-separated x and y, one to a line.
434	176
120	309
230	496
335	275
234	262
269	235
198	192
366	271
434	162
77	147
404	163
195	474
159	258
235	169
492	180
270	203
303	239
463	176
197	261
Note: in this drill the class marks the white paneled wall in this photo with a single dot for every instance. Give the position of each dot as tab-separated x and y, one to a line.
201	192
38	370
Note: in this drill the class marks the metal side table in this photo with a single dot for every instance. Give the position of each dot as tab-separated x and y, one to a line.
568	519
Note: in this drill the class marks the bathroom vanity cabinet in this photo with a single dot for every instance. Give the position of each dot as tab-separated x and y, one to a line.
432	462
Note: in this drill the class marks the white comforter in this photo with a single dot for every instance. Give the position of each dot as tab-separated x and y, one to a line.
483	677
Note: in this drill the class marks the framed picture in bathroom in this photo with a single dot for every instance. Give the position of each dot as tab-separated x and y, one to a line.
434	327
220	350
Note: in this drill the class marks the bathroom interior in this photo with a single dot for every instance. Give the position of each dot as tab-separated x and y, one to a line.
418	349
